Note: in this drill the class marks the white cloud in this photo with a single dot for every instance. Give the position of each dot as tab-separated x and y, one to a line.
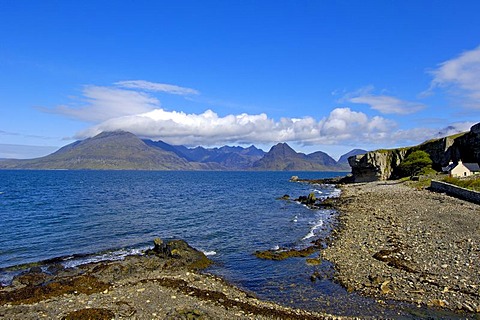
208	128
133	110
461	75
157	87
388	104
103	103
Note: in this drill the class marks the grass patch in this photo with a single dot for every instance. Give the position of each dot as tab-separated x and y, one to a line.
420	184
469	183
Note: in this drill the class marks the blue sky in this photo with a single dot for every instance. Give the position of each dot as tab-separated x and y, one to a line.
319	75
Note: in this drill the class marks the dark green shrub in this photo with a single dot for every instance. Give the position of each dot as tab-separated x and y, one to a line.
417	162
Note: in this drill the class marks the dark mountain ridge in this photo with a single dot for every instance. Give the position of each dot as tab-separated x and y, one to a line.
120	150
282	157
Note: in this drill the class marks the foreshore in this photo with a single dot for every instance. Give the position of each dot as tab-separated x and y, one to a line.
165	284
408	244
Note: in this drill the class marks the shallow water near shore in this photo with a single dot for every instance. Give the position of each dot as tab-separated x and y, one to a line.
85	216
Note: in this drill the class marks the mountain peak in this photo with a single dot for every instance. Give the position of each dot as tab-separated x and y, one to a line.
123	150
282	149
113	133
344	158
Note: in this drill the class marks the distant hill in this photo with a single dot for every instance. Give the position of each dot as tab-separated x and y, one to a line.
226	157
282	157
120	150
108	150
344	158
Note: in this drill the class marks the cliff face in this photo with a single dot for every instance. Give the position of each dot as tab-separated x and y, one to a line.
382	164
376	165
467	147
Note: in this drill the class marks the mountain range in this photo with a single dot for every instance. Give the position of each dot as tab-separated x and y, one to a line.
120	150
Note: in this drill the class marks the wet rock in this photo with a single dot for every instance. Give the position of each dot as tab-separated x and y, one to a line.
314	261
55	268
285	254
34	293
160	249
90	314
186	255
35	276
179	253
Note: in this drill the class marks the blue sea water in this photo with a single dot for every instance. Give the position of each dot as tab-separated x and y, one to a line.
92	215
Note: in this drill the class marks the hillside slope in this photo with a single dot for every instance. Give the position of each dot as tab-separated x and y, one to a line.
108	150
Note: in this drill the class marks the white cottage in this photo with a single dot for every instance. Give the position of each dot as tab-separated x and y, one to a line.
461	169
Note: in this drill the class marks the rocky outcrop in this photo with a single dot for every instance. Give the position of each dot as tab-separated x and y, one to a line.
382	164
180	253
376	165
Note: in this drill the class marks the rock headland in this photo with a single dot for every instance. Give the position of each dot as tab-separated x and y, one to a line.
382	164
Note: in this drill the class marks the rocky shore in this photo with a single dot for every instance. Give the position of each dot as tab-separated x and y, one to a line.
409	244
394	242
165	283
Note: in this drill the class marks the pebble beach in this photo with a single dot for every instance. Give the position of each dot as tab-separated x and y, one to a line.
408	244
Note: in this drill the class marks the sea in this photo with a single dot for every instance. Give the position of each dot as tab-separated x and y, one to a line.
77	217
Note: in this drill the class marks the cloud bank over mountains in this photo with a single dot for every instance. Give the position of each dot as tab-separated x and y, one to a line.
132	106
208	128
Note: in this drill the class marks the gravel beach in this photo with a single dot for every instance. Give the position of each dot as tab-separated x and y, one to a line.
402	243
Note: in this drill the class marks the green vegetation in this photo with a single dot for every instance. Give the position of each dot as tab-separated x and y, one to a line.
471	183
390	150
282	255
419	185
416	163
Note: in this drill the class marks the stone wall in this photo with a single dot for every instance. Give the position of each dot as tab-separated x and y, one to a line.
455	191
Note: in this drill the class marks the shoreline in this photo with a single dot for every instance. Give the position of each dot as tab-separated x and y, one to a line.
395	242
165	283
376	248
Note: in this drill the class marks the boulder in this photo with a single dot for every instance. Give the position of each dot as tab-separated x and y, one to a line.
160	249
179	253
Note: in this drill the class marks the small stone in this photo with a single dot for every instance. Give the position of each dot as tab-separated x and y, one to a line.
141	290
467	307
437	303
384	287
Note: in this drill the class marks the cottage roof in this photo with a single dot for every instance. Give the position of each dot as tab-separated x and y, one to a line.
449	167
472	166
